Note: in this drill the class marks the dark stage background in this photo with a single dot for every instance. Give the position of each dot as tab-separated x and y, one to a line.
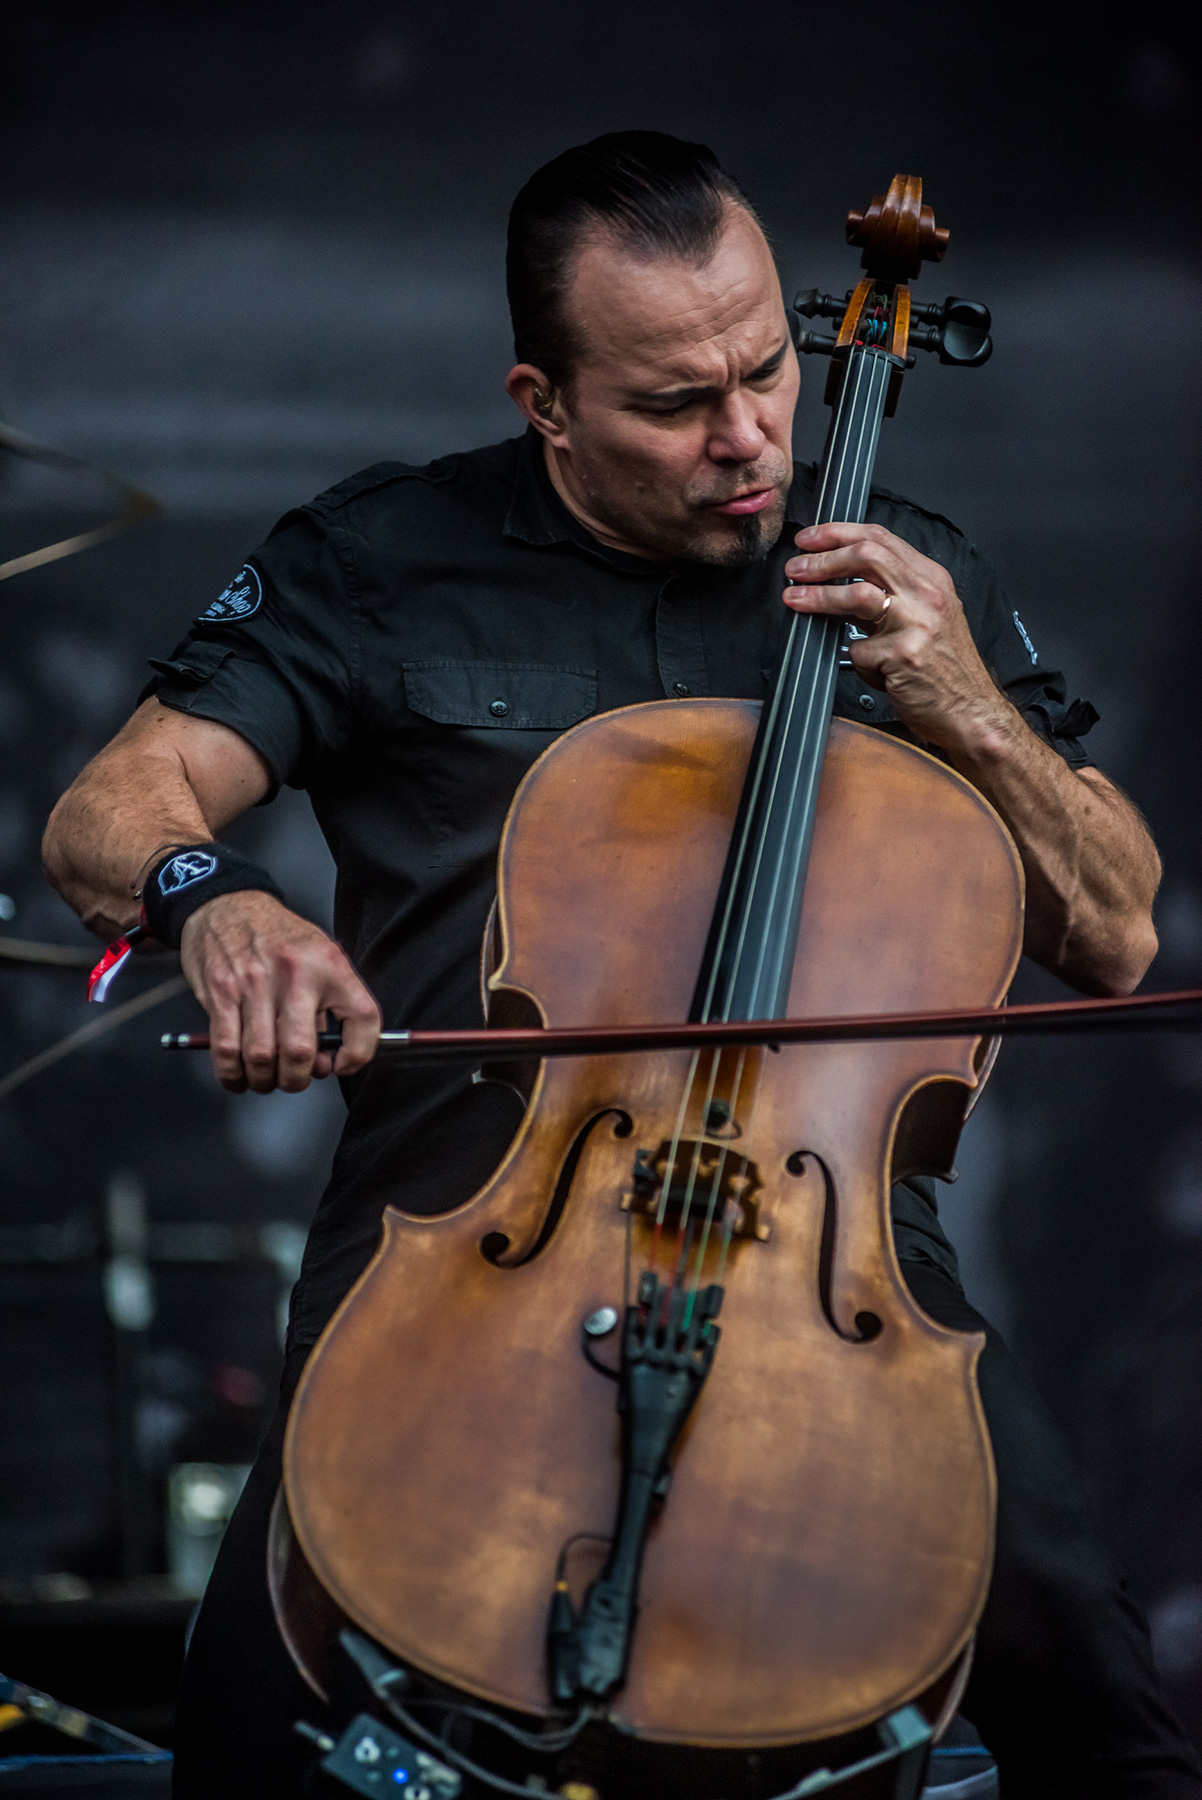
245	250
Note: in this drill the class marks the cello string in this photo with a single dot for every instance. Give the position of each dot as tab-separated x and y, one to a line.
783	697
695	1165
781	737
724	1242
785	736
787	696
802	670
834	488
807	771
856	422
848	402
661	1211
715	1190
774	764
679	1274
679	1278
758	775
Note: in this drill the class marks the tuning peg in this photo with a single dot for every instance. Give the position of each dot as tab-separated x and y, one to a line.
813	342
958	330
810	304
933	314
813	305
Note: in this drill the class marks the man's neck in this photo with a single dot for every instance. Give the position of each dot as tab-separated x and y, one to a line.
603	534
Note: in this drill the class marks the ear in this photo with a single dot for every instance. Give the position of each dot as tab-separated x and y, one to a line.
522	384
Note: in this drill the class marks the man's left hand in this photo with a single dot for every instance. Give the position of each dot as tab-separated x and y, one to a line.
921	652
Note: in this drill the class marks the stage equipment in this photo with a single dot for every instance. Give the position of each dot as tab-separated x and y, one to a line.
201	1498
126	1250
87	1034
41	1709
52	1748
370	1759
137	506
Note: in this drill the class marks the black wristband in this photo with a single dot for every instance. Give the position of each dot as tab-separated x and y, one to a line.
193	874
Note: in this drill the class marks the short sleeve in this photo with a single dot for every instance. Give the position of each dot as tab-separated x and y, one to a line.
274	656
1008	651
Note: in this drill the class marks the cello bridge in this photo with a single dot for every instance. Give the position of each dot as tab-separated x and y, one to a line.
700	1176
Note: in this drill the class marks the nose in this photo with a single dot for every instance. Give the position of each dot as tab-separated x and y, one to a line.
736	434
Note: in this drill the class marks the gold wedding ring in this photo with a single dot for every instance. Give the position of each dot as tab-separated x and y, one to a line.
874	625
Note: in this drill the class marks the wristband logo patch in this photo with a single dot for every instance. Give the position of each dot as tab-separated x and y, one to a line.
241	598
183	870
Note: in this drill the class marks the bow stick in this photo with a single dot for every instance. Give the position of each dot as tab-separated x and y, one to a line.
1180	1011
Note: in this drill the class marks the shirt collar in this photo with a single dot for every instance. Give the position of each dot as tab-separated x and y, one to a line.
538	516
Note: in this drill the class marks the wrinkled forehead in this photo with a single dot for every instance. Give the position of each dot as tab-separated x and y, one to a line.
652	318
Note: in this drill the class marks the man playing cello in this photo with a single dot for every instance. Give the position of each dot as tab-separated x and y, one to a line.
404	647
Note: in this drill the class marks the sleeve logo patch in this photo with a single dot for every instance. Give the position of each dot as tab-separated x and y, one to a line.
241	598
1023	634
183	870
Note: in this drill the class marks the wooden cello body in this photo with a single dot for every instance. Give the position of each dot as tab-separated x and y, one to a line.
826	1547
819	1551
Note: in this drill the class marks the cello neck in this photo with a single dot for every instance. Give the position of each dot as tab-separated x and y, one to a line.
748	964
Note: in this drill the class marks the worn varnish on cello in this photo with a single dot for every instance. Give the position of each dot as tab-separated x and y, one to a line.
820	1493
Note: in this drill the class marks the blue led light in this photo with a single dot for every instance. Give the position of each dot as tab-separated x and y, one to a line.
400	1774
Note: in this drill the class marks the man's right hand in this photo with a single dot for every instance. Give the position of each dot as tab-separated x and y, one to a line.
264	975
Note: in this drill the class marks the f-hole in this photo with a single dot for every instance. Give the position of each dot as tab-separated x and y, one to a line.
868	1325
494	1245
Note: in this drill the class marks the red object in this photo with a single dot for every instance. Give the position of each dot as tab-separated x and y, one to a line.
113	960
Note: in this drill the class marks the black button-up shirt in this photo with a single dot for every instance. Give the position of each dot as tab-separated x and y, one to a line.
404	648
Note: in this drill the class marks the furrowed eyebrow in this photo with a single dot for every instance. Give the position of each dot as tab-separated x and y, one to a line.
681	396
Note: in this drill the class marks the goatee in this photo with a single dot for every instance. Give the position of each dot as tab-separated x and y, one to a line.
751	543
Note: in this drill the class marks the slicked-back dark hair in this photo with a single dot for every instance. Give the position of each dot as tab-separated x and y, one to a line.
657	193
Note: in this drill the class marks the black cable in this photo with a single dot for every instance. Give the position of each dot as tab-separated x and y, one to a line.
499	1784
562	1740
529	1740
440	1748
594	1362
578	1537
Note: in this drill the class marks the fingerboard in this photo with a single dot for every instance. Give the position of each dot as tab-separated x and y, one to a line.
748	964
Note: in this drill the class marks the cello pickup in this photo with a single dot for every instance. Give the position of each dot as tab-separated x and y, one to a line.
699	1176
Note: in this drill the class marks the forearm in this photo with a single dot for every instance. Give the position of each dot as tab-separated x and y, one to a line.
1091	867
263	975
152	787
104	832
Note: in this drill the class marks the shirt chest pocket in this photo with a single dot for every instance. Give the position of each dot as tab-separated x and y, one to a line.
500	696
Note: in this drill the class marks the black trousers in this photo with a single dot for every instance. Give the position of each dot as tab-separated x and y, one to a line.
1063	1690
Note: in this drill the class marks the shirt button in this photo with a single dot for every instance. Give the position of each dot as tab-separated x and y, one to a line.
499	708
867	702
681	688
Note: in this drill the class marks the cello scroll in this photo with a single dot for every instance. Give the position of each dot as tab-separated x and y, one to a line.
897	234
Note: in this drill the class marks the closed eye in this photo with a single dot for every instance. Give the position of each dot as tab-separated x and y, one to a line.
767	370
676	400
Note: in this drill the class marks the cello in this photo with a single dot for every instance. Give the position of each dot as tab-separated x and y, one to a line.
780	1536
